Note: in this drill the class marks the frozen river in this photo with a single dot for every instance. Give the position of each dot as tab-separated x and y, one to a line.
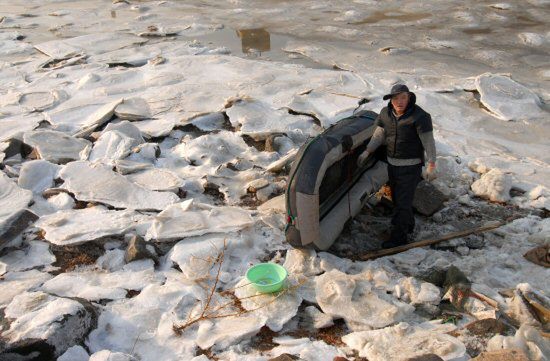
165	119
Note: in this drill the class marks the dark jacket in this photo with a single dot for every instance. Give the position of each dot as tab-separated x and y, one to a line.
402	138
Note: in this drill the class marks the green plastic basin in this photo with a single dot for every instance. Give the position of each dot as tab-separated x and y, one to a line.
267	277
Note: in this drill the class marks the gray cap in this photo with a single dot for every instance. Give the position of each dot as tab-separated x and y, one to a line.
396	89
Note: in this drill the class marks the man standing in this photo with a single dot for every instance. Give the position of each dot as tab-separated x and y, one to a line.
407	131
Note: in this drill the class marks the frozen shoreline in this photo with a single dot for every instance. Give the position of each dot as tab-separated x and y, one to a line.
160	119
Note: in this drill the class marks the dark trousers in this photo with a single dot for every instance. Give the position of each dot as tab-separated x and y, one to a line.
403	182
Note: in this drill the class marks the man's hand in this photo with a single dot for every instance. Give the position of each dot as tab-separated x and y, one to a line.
362	158
430	172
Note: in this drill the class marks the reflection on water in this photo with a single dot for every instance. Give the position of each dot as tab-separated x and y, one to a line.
392	15
254	40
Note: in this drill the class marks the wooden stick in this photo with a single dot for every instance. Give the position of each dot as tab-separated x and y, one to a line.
427	242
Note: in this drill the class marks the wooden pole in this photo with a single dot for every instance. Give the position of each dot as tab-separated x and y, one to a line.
427	242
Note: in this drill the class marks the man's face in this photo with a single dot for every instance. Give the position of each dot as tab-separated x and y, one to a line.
399	102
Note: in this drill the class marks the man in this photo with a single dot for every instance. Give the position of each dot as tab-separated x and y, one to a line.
407	131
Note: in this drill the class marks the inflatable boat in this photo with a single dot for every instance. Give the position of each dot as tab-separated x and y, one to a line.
325	185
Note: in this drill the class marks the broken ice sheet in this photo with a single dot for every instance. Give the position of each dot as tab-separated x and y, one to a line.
73	227
60	322
157	179
507	99
143	325
57	147
98	183
37	175
404	341
276	308
90	44
357	301
80	117
133	109
13	200
189	218
94	286
14	126
112	145
258	120
305	348
15	283
36	255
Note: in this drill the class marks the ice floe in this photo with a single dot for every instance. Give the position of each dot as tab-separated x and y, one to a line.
98	183
403	341
358	301
57	147
507	99
190	218
95	286
36	255
71	227
42	318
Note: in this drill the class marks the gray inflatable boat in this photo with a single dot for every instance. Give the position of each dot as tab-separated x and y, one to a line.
325	185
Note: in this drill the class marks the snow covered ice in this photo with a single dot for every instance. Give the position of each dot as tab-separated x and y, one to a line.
175	122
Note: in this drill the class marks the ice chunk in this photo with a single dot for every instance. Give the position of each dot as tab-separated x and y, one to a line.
157	179
494	185
276	309
75	353
305	348
161	126
15	126
94	286
98	183
107	355
15	283
133	109
228	330
36	255
507	99
527	338
302	261
72	227
143	325
191	219
91	44
13	202
112	145
320	319
196	257
532	39
57	147
357	301
81	117
61	201
404	341
37	175
59	322
420	292
259	120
